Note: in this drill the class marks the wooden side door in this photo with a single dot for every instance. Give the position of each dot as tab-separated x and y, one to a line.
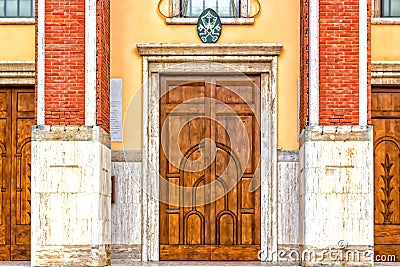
23	118
16	120
386	123
208	212
5	174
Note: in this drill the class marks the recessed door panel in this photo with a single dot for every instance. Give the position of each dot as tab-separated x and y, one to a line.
386	123
16	120
209	155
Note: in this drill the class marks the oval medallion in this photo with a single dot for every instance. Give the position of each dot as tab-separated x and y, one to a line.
209	26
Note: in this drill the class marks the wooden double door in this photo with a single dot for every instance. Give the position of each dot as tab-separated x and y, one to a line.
209	168
16	120
386	123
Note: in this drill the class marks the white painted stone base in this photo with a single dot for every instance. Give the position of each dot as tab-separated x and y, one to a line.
336	196
288	207
71	196
126	212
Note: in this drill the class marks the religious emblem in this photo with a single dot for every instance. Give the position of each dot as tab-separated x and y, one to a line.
209	26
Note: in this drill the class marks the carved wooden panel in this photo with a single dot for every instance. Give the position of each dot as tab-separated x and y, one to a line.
23	118
386	123
5	173
16	120
208	209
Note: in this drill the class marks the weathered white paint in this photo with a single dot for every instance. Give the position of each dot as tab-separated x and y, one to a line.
288	198
145	152
90	62
126	228
71	193
203	59
363	62
336	188
40	62
126	213
314	62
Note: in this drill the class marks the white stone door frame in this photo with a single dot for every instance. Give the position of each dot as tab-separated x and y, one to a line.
259	59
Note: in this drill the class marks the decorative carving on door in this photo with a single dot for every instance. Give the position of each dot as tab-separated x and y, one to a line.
210	211
387	180
386	125
387	189
16	119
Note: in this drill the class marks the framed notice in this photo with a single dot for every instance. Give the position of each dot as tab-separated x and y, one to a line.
116	110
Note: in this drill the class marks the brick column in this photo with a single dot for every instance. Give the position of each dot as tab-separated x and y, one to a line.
336	176
71	156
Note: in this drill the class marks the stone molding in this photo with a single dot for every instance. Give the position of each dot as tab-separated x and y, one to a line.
385	73
269	49
17	21
136	156
335	133
385	21
224	21
70	133
126	156
17	73
260	59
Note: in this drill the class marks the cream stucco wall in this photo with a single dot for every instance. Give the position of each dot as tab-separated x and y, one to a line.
385	40
17	42
134	21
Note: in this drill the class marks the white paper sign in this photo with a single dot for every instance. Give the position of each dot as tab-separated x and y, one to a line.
116	110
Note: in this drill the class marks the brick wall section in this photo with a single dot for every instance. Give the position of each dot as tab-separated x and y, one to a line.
339	62
65	62
304	65
103	64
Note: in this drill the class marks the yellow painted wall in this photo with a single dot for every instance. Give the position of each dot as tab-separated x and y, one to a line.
385	42
17	42
138	21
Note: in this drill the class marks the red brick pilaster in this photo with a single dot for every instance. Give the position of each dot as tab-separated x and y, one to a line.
339	66
64	62
103	64
339	62
304	62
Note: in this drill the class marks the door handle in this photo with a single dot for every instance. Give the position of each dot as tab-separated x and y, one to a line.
3	190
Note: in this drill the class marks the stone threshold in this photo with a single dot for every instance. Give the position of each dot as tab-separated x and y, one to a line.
188	263
169	263
204	263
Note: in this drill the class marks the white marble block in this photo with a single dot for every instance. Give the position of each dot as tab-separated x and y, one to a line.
71	196
336	196
288	199
126	212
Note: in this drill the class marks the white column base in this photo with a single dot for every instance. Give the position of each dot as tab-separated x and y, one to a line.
71	196
336	196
